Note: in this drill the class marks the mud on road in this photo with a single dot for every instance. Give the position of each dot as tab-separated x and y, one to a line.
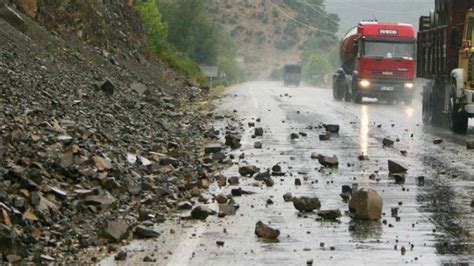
435	224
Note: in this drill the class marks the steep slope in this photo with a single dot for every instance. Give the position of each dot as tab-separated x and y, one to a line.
95	138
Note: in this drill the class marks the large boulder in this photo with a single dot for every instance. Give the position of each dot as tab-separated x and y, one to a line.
366	204
306	204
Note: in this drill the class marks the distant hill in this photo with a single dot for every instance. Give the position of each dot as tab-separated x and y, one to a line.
353	11
266	32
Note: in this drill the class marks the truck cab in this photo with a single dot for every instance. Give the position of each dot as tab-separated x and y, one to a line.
385	62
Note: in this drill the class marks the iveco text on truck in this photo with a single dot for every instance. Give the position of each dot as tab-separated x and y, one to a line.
377	60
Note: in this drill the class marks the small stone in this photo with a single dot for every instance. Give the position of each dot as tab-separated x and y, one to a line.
294	136
213	148
233	141
386	142
297	182
287	197
262	176
115	230
121	256
221	199
141	232
264	231
332	128
233	181
325	137
248	170
328	161
258	132
397	167
185	205
330	214
303	134
107	87
220	243
437	141
148	259
257	145
470	144
306	204
201	212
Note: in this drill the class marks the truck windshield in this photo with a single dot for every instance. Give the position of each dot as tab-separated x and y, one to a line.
389	49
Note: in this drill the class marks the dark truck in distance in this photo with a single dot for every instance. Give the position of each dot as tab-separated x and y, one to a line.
377	60
446	58
292	75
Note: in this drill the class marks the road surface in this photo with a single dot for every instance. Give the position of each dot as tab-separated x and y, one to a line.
436	218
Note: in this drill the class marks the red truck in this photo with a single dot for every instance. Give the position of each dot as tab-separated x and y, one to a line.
377	60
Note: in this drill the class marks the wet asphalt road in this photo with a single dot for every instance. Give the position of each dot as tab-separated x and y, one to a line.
436	224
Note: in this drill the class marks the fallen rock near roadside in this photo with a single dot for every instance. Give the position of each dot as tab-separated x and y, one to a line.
306	204
332	128
264	231
233	141
222	199
330	214
248	170
142	232
121	256
233	180
213	148
395	167
226	210
437	141
201	212
327	161
258	131
366	204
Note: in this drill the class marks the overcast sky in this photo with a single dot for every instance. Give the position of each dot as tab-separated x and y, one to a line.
353	11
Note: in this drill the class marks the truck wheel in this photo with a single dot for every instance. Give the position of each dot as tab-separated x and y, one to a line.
458	121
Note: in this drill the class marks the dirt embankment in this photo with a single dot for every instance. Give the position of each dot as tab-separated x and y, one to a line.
98	142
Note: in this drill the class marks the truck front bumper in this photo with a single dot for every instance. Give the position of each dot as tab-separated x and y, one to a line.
386	88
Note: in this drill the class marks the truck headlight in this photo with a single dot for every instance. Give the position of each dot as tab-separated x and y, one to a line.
409	85
364	83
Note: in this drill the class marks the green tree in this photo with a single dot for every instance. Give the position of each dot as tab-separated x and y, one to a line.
315	68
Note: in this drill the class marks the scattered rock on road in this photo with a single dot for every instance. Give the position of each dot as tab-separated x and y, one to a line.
201	212
330	214
325	137
213	148
257	145
470	144
332	128
328	161
306	204
142	232
294	136
264	231
287	197
397	167
386	142
121	256
233	141
366	204
248	170
258	131
437	141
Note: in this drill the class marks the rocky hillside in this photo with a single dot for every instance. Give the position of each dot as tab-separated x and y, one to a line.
266	34
98	142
